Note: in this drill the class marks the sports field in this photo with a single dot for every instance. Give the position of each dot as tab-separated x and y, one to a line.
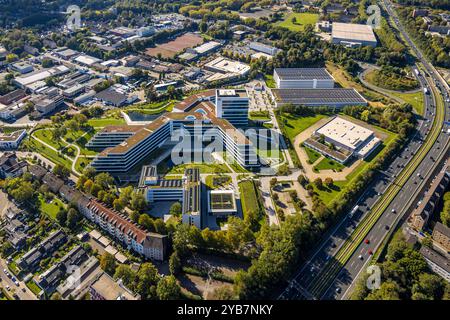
172	48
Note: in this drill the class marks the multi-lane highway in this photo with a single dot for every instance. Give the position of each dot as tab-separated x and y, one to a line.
339	259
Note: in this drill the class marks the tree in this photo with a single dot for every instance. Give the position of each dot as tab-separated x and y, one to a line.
318	183
273	182
104	179
127	276
328	182
168	288
138	202
174	263
148	277
6	249
61	216
175	209
146	222
61	171
108	263
429	287
302	180
73	217
387	291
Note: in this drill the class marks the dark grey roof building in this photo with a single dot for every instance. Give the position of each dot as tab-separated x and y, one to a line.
336	97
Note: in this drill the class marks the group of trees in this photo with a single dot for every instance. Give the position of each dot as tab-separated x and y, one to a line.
436	48
395	118
147	281
405	276
69	217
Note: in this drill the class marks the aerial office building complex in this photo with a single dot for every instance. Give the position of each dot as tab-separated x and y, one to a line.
197	116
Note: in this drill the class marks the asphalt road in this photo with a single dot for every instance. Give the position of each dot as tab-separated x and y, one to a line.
298	288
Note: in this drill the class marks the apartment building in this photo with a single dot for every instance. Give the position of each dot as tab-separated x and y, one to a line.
441	234
120	227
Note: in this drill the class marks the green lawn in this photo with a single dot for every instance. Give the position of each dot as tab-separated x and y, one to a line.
269	81
50	208
33	287
48	153
329	194
217	181
293	125
204	168
82	163
302	19
249	197
105	122
46	136
313	155
415	99
329	164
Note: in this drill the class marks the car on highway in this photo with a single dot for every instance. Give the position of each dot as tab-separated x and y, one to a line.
360	257
386	227
370	252
393	211
338	290
367	241
8	287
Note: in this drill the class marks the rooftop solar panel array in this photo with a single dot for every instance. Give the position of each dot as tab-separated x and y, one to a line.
318	96
303	74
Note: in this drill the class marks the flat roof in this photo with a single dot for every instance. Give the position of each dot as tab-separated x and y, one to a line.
111	290
207	46
353	32
345	132
318	96
241	93
227	65
221	201
303	74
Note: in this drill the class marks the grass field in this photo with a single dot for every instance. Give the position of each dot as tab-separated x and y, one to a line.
48	153
329	164
269	81
302	19
33	287
415	99
204	168
313	155
215	181
82	163
50	208
293	125
105	122
329	194
249	198
46	136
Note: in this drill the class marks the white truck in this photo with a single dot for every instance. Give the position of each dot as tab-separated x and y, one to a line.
353	211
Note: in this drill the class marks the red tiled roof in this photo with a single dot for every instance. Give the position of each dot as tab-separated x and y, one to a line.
124	224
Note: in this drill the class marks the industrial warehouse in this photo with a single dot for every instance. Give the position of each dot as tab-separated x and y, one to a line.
340	139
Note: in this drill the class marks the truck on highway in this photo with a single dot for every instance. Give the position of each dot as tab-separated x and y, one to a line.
353	211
